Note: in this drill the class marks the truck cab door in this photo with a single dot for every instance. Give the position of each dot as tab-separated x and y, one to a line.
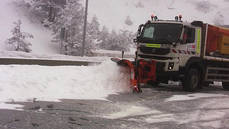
188	42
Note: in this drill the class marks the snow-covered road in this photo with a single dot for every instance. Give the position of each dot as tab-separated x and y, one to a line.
99	96
165	107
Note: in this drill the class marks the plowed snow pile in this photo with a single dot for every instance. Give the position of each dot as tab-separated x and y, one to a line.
26	83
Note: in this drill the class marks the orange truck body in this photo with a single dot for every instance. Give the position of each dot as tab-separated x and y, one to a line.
217	40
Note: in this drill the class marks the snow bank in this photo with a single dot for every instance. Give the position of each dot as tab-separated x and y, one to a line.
10	106
28	83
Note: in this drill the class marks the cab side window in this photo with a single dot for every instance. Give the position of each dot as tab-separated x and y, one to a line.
189	35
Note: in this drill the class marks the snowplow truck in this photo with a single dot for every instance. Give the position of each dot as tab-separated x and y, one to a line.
194	53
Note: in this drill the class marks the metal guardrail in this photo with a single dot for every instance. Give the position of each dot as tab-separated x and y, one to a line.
44	62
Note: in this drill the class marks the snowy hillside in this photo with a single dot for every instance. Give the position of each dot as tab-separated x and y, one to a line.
41	44
113	13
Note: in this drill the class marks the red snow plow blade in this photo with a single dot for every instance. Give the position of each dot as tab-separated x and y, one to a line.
141	72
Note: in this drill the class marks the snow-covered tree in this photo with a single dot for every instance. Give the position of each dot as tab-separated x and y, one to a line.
128	21
45	10
219	19
93	32
103	37
68	14
112	43
125	40
204	6
18	40
139	5
116	41
93	28
71	18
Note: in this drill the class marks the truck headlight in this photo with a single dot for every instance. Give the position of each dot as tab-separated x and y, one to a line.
171	65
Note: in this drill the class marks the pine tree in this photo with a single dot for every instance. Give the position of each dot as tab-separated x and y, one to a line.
93	32
125	39
128	21
113	41
70	18
219	19
139	5
103	37
18	40
120	41
45	10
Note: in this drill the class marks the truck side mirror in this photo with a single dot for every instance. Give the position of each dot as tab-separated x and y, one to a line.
140	30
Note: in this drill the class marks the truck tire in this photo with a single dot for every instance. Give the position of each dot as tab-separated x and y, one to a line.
191	80
225	85
153	83
206	84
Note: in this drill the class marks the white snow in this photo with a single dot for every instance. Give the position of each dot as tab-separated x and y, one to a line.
210	113
159	118
130	111
216	124
10	106
193	96
210	119
26	83
23	55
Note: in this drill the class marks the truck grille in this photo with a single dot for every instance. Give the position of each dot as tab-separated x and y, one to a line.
155	57
158	51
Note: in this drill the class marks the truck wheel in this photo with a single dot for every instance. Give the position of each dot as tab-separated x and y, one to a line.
191	81
153	83
225	85
138	90
206	84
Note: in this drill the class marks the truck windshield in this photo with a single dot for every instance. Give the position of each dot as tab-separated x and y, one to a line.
160	33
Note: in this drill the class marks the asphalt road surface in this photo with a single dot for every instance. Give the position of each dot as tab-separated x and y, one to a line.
164	107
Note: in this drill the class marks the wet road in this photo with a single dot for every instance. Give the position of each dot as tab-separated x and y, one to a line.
164	107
